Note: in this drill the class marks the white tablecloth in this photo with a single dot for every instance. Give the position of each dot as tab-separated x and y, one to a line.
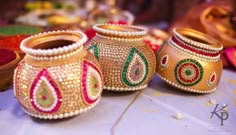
148	112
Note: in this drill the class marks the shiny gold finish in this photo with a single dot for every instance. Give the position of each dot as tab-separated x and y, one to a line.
187	52
113	45
66	70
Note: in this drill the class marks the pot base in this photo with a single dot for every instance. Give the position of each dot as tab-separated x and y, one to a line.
183	88
125	89
61	116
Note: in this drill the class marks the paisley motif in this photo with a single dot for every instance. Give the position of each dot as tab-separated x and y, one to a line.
212	79
164	61
91	82
94	50
45	95
135	69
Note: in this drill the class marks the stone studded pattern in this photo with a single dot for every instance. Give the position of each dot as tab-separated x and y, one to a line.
188	72
135	69
94	49
112	57
67	77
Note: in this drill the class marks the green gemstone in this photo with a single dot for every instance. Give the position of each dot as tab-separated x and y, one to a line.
137	72
188	72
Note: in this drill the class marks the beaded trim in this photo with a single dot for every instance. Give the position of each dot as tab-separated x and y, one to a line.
198	44
120	39
164	61
64	56
142	31
194	49
65	115
183	87
188	72
53	90
191	54
125	89
55	51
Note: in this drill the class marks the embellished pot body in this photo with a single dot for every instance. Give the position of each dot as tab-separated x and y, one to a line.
57	78
126	61
190	61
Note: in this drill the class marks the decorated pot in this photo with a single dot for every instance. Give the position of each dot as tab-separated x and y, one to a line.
127	63
190	61
57	78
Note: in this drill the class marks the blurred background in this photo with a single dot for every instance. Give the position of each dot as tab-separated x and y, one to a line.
22	18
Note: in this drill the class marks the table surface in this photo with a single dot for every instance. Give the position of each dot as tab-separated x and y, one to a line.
146	112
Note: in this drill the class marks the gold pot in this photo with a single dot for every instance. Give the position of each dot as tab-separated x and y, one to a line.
190	61
58	78
127	63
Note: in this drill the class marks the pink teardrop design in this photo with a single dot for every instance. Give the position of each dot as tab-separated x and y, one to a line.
92	83
45	95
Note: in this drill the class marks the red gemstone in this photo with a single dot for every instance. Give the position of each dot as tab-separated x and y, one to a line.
213	78
95	86
164	60
44	97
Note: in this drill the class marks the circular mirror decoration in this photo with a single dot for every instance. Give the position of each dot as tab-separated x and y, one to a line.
188	72
45	95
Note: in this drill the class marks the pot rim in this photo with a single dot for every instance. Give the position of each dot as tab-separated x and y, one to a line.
197	39
122	30
77	37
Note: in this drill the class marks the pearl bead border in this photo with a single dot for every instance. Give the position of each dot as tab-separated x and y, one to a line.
136	56
120	39
167	61
191	54
63	56
65	115
143	31
209	83
183	88
55	51
91	71
124	89
194	47
54	95
195	43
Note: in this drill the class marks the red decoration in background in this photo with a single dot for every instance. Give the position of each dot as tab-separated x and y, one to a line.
12	42
90	33
229	57
154	47
6	56
118	22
